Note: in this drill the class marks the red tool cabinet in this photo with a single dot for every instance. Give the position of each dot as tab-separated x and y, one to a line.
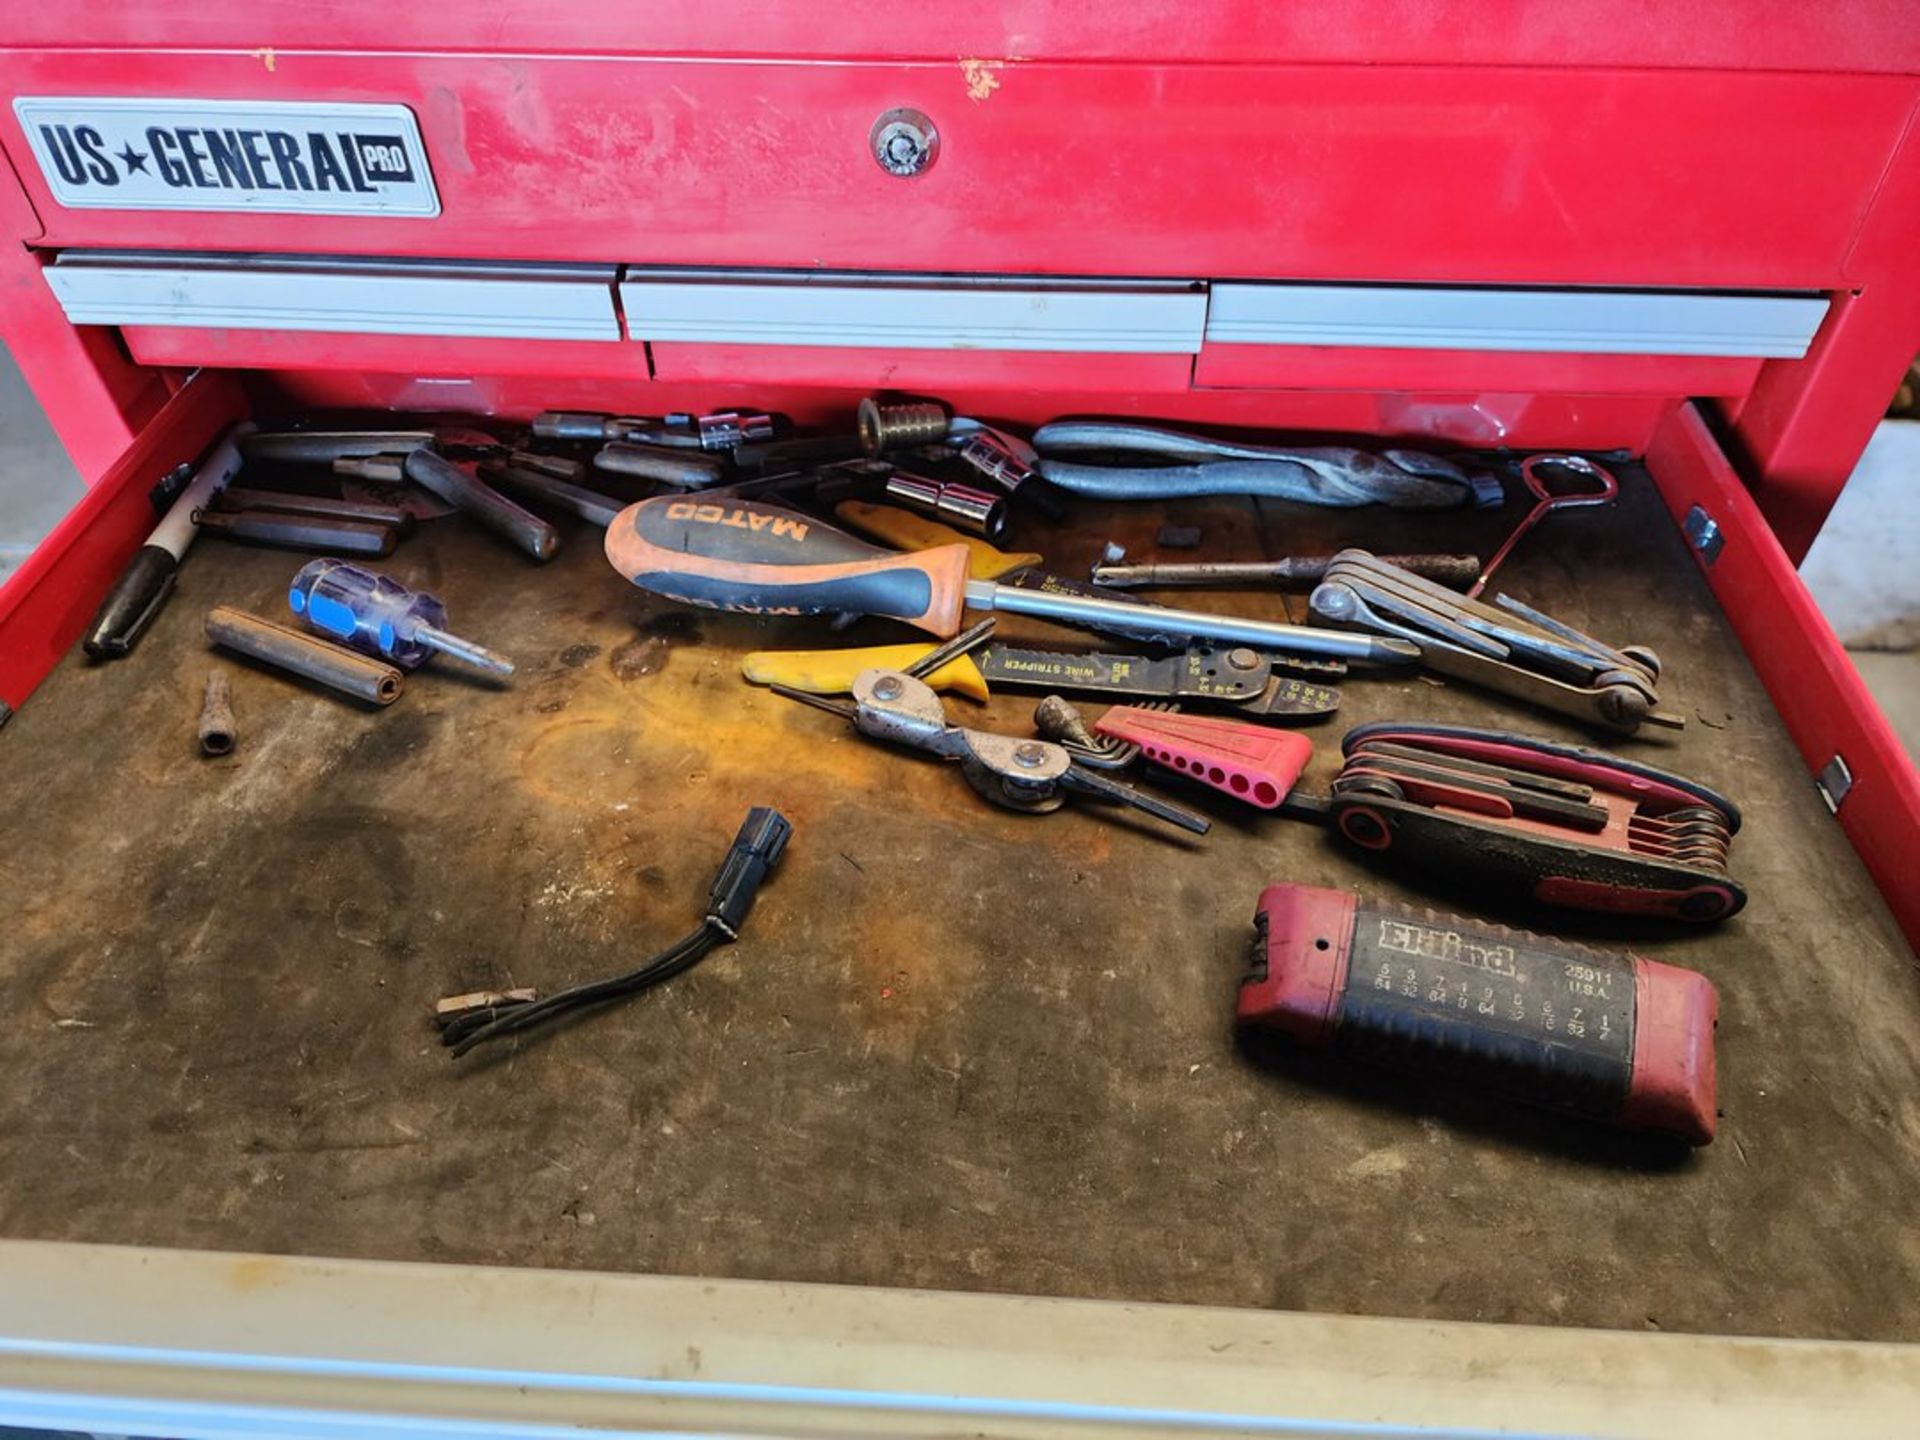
1489	225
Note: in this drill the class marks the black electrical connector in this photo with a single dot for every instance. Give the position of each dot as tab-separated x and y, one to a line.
470	1020
758	846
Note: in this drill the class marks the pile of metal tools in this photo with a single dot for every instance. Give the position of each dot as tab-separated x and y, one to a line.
737	511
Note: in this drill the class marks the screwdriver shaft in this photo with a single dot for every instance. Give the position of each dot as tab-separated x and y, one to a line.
1124	617
476	655
1299	572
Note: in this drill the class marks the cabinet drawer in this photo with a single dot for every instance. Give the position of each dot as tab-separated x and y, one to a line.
927	955
1370	173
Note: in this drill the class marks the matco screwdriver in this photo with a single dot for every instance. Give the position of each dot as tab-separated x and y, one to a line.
763	560
379	615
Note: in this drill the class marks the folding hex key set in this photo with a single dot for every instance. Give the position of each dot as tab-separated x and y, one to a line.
1614	1037
1560	823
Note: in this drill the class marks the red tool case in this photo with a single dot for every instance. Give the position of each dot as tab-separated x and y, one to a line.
1484	225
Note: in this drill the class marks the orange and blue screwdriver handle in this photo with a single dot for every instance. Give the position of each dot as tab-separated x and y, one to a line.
764	560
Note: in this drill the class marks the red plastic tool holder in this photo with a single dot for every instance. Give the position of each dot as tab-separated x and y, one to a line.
1256	764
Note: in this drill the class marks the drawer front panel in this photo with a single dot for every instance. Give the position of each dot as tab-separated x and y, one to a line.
1337	172
526	302
1548	321
1511	372
916	313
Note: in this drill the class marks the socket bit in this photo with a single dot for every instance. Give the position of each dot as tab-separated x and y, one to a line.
217	730
965	507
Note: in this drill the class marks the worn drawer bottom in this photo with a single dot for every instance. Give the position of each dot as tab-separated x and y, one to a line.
958	1048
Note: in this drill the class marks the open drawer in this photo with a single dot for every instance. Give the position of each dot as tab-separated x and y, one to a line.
959	1050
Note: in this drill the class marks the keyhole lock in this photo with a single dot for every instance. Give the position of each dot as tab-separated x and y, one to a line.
904	142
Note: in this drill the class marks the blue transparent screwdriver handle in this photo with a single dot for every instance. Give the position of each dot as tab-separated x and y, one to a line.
377	614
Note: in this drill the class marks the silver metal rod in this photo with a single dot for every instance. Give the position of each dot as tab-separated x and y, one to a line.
236	497
649	462
557	466
1300	572
1122	617
476	655
485	504
299	532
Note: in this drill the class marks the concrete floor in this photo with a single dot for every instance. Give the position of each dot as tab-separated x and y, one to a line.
1865	571
38	483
